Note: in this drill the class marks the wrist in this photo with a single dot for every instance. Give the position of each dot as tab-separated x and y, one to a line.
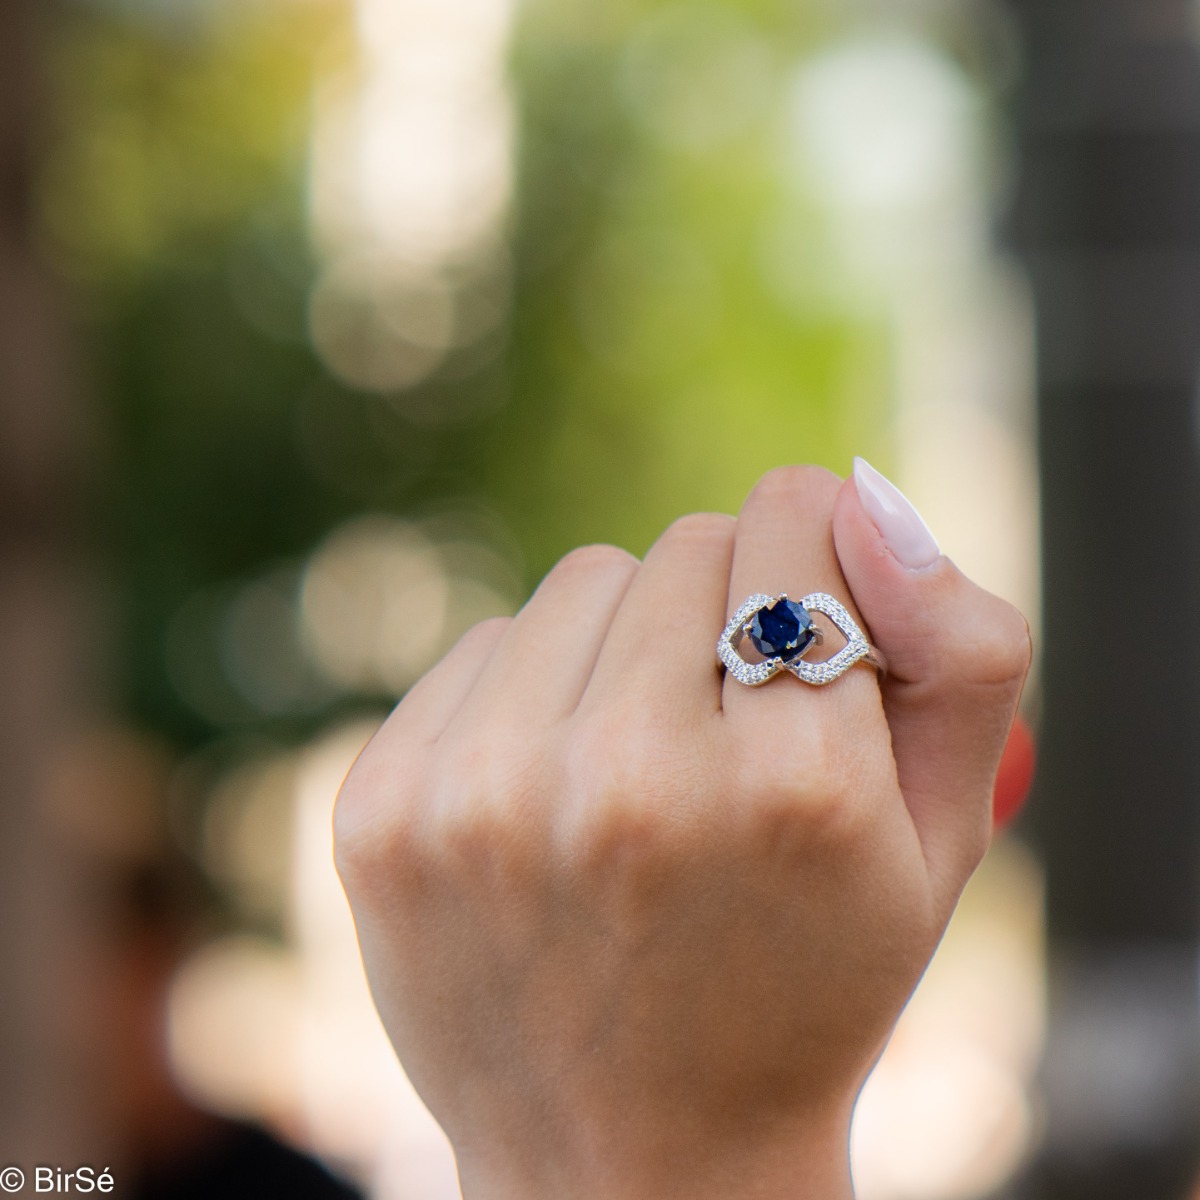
810	1161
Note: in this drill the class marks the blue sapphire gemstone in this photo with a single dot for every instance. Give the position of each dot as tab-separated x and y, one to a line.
782	630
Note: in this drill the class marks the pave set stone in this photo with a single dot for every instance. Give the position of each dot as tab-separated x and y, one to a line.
782	629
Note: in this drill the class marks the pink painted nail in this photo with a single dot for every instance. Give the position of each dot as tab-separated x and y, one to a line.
899	524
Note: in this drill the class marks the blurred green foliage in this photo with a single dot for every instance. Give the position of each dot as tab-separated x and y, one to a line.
656	371
651	366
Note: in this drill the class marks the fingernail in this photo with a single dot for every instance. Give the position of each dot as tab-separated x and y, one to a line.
900	525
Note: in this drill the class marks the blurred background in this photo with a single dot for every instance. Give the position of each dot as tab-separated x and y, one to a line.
327	326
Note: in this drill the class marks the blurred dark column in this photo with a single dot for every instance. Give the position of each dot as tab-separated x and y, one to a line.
1107	217
42	642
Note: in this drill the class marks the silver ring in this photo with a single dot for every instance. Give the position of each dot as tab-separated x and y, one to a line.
783	632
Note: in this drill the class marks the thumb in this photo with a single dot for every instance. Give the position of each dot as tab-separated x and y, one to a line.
956	657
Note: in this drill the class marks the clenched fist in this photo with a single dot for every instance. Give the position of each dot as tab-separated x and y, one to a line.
638	931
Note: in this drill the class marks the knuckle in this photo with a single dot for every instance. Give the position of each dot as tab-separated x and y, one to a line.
629	786
795	484
821	820
1000	648
485	801
973	839
373	821
469	817
469	830
807	764
978	840
702	529
351	811
631	837
614	828
348	848
802	799
596	559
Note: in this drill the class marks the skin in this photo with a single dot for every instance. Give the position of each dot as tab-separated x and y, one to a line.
639	932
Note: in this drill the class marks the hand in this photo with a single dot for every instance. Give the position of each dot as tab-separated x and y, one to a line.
639	931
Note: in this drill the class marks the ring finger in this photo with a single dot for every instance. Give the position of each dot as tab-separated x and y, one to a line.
785	544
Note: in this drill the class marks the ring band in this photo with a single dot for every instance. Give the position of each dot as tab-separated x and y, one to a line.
783	630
